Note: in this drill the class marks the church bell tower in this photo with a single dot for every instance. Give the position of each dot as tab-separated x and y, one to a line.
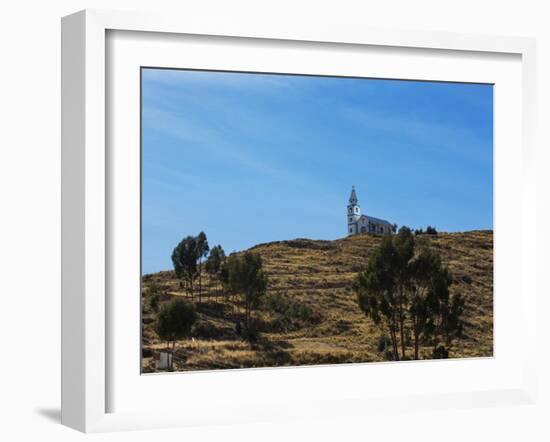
354	212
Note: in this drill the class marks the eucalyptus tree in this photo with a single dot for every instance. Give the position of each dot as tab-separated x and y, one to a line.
245	277
202	252
406	289
184	258
214	263
377	291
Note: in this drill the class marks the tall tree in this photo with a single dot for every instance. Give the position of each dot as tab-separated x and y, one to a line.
407	291
246	277
446	314
377	293
429	285
403	244
174	321
202	252
214	263
184	259
224	278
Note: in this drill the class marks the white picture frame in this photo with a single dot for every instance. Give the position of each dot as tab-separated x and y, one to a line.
86	205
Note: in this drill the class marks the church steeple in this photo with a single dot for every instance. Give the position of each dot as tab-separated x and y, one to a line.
353	196
354	212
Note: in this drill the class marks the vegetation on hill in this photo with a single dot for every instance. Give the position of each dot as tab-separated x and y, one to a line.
405	290
308	312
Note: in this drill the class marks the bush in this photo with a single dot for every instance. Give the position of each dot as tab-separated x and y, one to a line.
302	243
440	352
431	230
175	319
154	299
384	343
291	314
276	302
251	332
207	330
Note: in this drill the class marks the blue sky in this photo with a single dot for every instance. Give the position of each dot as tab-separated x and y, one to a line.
252	158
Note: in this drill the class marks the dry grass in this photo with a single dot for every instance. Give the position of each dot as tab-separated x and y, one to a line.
318	274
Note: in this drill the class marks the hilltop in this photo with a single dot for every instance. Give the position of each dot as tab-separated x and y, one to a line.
313	317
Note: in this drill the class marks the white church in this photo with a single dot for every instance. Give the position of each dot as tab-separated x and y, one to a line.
358	223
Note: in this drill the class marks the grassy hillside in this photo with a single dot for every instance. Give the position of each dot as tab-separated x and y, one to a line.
311	315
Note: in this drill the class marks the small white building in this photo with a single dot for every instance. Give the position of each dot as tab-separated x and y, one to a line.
164	360
358	223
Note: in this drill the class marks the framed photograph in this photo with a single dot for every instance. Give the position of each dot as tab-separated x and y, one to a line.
278	223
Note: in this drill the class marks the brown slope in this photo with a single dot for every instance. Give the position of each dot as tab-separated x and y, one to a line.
318	275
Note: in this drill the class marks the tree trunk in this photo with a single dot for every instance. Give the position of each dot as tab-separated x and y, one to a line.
403	355
395	347
402	326
416	335
246	309
200	281
172	358
394	334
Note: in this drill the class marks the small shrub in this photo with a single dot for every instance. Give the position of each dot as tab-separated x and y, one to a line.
146	353
154	299
301	243
207	330
276	302
384	343
431	230
175	320
252	331
152	296
291	314
440	352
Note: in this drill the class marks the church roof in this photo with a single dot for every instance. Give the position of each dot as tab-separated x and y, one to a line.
353	196
376	220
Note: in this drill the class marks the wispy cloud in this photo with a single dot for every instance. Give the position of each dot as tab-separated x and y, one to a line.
430	134
263	84
210	139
